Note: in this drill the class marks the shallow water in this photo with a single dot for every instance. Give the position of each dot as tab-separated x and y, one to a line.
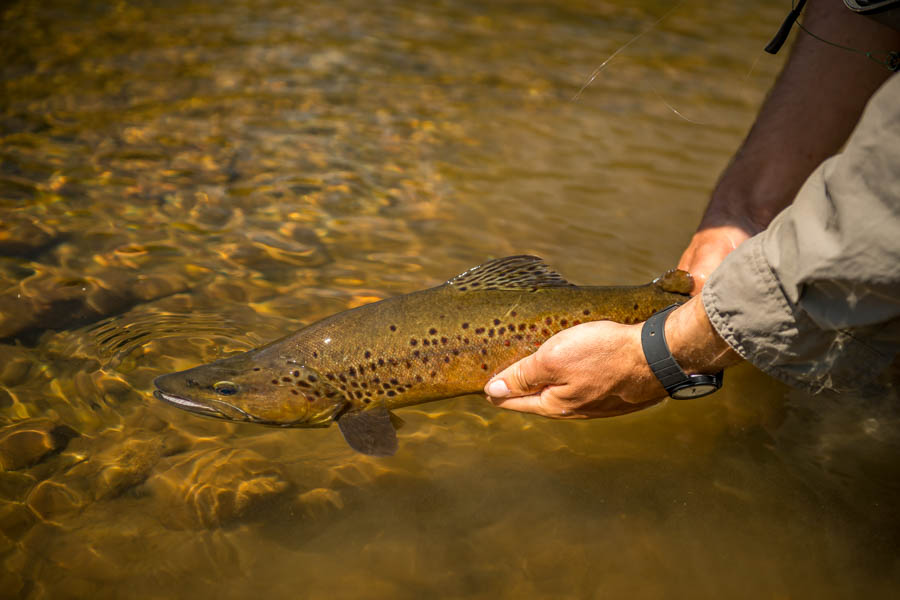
182	181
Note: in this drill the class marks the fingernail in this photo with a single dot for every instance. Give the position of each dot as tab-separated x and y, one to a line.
498	389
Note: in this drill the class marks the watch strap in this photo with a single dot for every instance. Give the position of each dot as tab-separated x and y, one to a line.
656	350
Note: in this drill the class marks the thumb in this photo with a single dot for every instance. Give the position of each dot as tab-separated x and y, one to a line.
525	377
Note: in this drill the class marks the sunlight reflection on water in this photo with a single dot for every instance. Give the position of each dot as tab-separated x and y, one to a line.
182	182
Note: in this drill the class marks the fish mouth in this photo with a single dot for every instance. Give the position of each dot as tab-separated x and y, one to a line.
189	405
228	412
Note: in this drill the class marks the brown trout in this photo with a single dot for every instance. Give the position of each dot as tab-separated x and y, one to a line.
355	366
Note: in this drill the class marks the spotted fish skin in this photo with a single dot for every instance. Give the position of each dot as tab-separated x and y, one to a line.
437	343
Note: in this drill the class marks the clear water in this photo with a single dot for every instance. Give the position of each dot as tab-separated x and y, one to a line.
181	181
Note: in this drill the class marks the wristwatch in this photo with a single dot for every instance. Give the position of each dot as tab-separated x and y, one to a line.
678	384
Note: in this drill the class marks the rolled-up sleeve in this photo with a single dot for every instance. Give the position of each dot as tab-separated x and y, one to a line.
814	299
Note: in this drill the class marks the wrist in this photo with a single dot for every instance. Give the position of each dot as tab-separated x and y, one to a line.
694	343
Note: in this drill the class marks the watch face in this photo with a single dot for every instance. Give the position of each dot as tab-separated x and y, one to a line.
694	390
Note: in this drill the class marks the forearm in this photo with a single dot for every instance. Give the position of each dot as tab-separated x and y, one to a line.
806	118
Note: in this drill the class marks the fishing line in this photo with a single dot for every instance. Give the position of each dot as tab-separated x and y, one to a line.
891	60
621	48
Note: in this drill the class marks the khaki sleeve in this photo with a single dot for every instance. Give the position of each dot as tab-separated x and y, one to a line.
814	299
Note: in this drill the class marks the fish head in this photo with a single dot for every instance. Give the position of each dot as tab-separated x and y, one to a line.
247	387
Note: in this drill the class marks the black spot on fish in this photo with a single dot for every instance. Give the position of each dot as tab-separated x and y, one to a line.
532	327
413	342
377	380
275	381
491	332
354	384
367	354
484	351
393	328
545	332
394	381
364	385
455	352
426	342
416	353
303	384
330	376
296	373
635	306
386	386
548	320
476	284
367	400
419	378
519	336
352	372
465	340
496	321
295	392
433	373
286	379
446	359
424	360
392	393
342	378
432	331
465	325
401	389
434	342
484	366
315	354
362	369
479	331
358	395
564	322
256	368
501	331
408	365
585	312
380	362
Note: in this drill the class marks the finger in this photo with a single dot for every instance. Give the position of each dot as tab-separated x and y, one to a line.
527	404
520	379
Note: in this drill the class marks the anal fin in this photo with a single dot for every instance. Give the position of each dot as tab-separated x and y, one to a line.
370	432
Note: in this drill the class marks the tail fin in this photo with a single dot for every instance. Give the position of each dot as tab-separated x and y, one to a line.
675	281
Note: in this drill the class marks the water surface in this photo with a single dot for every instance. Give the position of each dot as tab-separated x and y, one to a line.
183	181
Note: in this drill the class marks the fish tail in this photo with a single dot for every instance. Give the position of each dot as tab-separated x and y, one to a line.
675	281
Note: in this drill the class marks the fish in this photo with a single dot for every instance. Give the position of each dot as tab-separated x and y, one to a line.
357	366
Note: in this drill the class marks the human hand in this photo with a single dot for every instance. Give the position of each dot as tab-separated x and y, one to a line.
598	369
707	249
591	370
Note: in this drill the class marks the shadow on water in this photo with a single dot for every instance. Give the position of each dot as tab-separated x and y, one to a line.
181	182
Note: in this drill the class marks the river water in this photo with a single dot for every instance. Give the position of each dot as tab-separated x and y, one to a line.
180	181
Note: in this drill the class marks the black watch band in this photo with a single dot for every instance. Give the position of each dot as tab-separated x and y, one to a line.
678	384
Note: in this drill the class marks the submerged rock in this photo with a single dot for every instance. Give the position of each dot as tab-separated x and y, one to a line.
26	443
24	237
213	486
60	300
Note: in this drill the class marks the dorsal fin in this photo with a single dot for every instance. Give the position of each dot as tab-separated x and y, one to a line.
521	272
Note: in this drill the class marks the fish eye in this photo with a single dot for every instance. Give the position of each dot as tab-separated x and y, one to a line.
225	388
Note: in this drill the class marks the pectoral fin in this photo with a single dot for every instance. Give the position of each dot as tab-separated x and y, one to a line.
370	432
